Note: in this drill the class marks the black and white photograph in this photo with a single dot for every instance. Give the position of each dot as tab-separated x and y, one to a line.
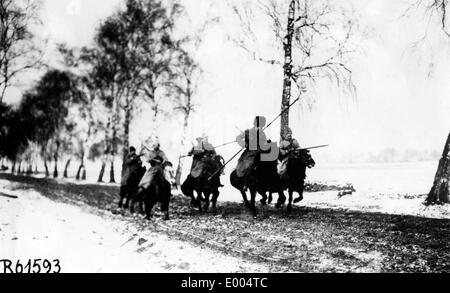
225	137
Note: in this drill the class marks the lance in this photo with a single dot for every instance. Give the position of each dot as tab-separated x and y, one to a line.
276	118
225	144
285	110
315	147
303	149
8	196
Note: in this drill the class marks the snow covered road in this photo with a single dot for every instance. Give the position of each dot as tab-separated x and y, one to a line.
34	227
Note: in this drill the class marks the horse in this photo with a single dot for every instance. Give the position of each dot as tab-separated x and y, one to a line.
205	184
259	179
159	191
131	186
294	175
269	182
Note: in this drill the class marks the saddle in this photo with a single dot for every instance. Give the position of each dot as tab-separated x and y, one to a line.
208	164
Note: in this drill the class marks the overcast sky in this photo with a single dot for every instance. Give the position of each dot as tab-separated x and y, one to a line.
402	101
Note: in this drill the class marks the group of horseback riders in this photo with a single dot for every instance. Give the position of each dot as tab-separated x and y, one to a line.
262	168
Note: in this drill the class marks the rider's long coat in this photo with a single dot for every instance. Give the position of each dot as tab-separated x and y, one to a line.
156	158
254	140
201	153
286	147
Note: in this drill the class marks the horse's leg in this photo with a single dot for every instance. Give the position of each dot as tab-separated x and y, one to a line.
253	201
190	194
300	192
130	192
188	190
270	198
193	200
149	200
281	199
127	203
289	207
199	201
207	201
165	207
264	198
166	214
132	203
244	196
136	198
214	200
122	194
149	204
201	198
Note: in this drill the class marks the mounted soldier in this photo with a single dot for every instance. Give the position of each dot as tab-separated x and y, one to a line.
288	145
254	141
257	167
292	168
205	163
151	150
155	185
132	173
199	152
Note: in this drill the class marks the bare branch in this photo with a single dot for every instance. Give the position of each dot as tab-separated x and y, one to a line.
18	51
322	40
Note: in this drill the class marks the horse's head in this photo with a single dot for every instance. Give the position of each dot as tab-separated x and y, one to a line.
169	173
307	158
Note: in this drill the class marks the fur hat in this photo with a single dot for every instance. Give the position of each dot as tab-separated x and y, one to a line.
260	121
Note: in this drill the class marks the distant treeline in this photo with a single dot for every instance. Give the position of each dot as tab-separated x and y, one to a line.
83	110
389	155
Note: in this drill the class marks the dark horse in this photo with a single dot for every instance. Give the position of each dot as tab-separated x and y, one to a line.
159	191
294	175
131	187
261	178
207	184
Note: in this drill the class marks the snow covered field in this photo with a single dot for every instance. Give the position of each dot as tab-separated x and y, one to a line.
399	188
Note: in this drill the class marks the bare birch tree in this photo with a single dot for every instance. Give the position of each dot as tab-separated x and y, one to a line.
311	41
18	49
438	9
